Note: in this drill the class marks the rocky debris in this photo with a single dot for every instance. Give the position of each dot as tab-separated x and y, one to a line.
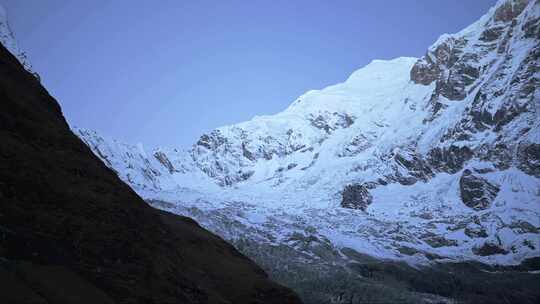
506	113
462	75
212	141
230	159
492	34
437	241
331	121
247	153
529	158
428	68
219	159
407	250
500	155
162	158
416	167
532	28
489	248
481	118
519	100
434	108
529	244
313	244
357	145
451	68
291	166
510	10
483	170
356	196
475	231
320	122
456	62
449	159
64	213
523	227
475	191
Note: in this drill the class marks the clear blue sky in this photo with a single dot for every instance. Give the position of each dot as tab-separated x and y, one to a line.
164	72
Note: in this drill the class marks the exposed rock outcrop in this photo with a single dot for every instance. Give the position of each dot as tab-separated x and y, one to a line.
356	196
162	158
529	158
489	248
416	167
357	145
448	65
449	159
510	10
331	121
476	192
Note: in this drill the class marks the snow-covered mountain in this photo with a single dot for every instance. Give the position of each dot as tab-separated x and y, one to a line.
8	40
423	160
436	158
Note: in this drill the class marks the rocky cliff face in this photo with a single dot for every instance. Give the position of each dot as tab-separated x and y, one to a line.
439	153
72	232
476	192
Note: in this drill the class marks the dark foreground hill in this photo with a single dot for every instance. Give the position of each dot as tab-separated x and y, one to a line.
72	232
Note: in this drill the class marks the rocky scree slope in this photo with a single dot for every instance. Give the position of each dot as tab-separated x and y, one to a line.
72	232
422	160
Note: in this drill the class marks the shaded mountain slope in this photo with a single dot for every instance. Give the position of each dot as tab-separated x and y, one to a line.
72	232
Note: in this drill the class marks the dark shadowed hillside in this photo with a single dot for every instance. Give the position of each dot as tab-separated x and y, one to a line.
72	232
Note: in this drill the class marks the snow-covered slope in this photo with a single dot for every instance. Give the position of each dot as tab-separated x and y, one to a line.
8	41
436	158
